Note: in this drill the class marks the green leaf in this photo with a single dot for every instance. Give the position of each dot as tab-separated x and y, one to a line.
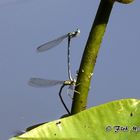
96	123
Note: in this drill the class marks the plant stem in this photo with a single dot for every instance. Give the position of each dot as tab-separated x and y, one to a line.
89	56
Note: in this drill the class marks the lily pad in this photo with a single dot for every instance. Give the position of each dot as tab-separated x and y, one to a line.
116	120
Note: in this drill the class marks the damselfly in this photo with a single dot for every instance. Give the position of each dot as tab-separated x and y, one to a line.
55	42
39	82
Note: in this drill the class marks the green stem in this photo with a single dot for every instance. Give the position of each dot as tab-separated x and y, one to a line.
89	57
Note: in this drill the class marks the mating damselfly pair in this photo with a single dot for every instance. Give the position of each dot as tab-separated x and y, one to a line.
40	82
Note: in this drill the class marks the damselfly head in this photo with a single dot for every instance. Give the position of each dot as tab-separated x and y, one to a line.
67	82
78	32
74	34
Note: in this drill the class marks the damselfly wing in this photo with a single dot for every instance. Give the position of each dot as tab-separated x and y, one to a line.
40	82
57	41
